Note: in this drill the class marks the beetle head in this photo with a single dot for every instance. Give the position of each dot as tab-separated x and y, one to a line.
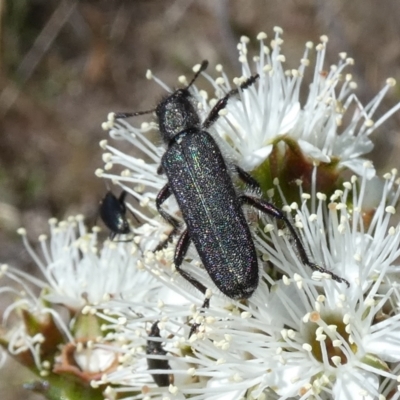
177	114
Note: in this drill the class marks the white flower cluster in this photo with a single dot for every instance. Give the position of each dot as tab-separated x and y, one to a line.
137	330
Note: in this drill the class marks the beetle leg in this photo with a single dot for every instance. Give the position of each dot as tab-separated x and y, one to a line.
160	170
221	103
247	178
181	249
271	210
162	196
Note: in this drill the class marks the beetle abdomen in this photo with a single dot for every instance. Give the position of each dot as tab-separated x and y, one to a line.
199	179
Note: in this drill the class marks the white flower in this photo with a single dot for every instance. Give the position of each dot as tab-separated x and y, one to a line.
80	271
296	337
134	374
269	116
271	110
307	340
80	277
302	334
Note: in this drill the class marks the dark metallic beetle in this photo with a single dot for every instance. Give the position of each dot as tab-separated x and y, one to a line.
211	206
112	211
154	348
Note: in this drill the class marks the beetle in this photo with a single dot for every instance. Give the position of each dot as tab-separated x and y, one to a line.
212	208
112	211
154	348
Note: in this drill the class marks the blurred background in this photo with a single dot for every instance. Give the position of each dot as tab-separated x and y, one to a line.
65	64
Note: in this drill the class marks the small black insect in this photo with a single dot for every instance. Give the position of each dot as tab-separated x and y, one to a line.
211	206
154	348
112	211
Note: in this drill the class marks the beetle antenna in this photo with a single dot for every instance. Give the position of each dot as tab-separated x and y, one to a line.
203	67
120	115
